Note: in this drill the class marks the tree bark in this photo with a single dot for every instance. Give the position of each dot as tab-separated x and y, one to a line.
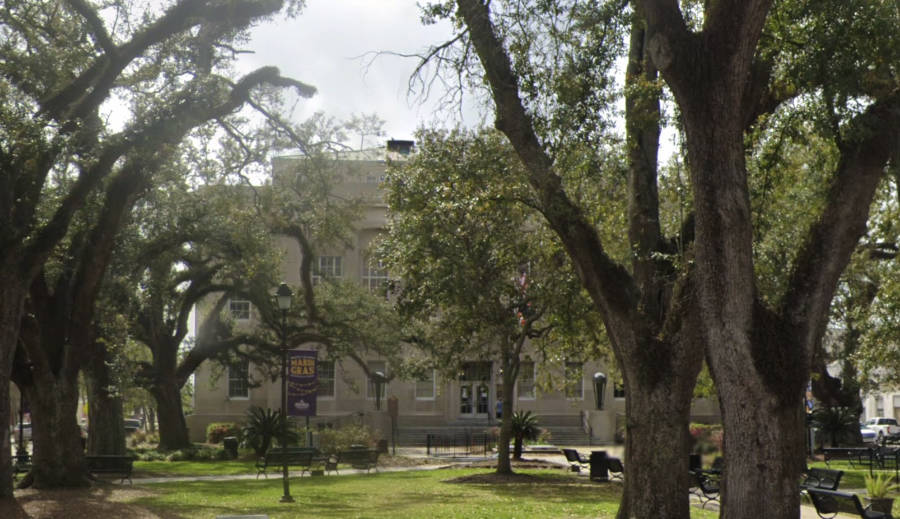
504	466
12	297
173	432
58	459
106	416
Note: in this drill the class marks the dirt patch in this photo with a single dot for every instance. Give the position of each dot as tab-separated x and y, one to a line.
491	478
100	501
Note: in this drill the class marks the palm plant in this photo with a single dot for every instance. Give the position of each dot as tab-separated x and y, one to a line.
836	422
264	425
524	426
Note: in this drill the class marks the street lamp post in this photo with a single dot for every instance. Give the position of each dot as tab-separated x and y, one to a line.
21	449
283	297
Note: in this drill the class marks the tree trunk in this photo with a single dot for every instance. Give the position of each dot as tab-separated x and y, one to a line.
12	297
774	433
657	436
508	383
173	433
58	459
106	417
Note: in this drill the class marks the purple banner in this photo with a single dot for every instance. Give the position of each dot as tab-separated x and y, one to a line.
302	383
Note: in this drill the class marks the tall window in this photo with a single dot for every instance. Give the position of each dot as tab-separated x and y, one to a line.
374	276
374	365
325	370
327	267
879	405
425	387
526	380
574	381
239	379
240	309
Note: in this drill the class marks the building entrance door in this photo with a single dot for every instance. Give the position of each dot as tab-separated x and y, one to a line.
474	390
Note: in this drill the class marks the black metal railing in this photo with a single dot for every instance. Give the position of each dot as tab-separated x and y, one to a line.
458	444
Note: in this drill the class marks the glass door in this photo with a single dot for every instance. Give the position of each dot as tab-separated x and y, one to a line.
466	397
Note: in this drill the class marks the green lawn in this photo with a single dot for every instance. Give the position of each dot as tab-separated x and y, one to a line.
854	476
550	494
152	469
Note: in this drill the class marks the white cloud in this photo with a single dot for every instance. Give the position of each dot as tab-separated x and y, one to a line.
330	45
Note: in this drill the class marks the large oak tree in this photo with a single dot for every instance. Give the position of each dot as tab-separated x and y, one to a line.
65	72
663	316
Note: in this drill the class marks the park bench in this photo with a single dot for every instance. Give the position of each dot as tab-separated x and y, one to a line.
829	502
575	459
362	459
705	485
827	479
111	464
862	456
615	468
303	457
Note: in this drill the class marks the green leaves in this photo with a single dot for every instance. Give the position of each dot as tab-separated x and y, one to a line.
462	237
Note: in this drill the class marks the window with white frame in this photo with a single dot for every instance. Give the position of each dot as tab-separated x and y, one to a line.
240	309
574	381
375	365
325	370
327	267
525	384
374	276
425	388
239	379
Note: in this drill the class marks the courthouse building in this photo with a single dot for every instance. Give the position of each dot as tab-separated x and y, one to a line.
467	402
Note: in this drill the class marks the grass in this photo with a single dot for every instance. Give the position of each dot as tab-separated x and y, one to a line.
143	469
854	477
431	493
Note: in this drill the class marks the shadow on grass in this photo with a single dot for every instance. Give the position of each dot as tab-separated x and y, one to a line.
398	494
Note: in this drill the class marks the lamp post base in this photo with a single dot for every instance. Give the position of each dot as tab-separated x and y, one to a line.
286	499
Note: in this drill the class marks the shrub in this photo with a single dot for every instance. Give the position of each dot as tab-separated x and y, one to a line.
143	438
148	455
332	441
216	431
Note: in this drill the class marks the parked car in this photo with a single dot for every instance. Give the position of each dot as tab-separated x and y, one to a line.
131	425
868	434
885	428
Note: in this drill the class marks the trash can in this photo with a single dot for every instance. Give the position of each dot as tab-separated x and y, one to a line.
694	462
598	466
382	446
231	446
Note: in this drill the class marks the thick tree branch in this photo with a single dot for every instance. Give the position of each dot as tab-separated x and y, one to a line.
834	236
98	29
85	93
609	283
189	109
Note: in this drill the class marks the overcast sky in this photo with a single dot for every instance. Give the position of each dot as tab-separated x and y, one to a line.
329	46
